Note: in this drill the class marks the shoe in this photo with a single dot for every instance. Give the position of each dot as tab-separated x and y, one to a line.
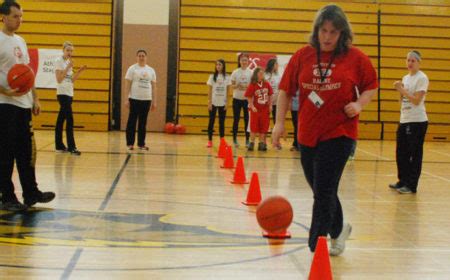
75	152
14	206
293	148
251	147
351	158
405	190
395	186
143	148
236	144
209	144
247	142
42	197
61	151
338	244
262	147
130	148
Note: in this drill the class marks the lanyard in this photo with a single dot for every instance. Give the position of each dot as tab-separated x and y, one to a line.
324	75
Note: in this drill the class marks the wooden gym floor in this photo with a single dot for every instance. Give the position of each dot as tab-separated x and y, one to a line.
171	213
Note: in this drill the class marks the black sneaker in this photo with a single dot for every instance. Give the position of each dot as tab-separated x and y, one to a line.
405	190
43	197
14	206
262	147
395	186
75	152
251	146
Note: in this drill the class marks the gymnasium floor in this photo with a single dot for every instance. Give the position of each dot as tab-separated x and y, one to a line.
171	213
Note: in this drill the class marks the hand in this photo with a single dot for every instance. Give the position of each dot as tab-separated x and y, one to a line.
398	85
36	108
277	132
70	64
11	92
210	107
127	104
153	106
353	109
242	87
82	68
253	108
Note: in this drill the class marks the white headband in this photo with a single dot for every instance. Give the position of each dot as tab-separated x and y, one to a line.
415	55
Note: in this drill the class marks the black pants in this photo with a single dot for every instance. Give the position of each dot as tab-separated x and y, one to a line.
294	115
323	167
17	143
65	114
212	119
239	105
274	113
410	139
138	112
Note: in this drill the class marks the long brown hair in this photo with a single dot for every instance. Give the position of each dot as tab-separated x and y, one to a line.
337	17
254	79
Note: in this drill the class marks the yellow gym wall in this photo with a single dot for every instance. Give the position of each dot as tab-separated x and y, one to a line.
87	24
221	28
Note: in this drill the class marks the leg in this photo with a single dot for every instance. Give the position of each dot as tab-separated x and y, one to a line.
418	139
142	127
246	117
274	113
222	116
8	131
212	119
328	165
131	124
402	154
59	145
236	117
69	124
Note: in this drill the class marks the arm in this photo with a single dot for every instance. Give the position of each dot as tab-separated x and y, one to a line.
414	98
154	99
9	92
250	104
282	107
128	91
36	104
210	98
60	74
77	74
354	108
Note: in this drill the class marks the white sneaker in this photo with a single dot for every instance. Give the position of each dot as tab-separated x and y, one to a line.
338	244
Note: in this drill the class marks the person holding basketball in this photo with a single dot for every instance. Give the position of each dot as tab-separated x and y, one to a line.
65	78
140	84
413	125
17	137
329	72
259	95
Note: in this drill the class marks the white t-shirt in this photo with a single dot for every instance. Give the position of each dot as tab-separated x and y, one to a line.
243	77
219	89
141	81
13	50
274	80
410	112
66	86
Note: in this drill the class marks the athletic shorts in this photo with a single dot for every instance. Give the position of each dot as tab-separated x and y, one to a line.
259	121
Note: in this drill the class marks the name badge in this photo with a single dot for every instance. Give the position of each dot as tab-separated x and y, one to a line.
315	99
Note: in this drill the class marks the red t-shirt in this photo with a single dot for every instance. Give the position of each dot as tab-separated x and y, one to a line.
347	72
261	93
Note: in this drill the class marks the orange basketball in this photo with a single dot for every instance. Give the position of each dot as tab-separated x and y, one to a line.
274	214
180	129
169	128
21	77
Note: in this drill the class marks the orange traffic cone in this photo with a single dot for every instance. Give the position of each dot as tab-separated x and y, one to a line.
222	148
254	192
239	173
320	267
277	235
228	163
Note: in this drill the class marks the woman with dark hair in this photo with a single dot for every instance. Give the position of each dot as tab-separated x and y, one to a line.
218	84
240	79
140	84
413	125
273	77
328	72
